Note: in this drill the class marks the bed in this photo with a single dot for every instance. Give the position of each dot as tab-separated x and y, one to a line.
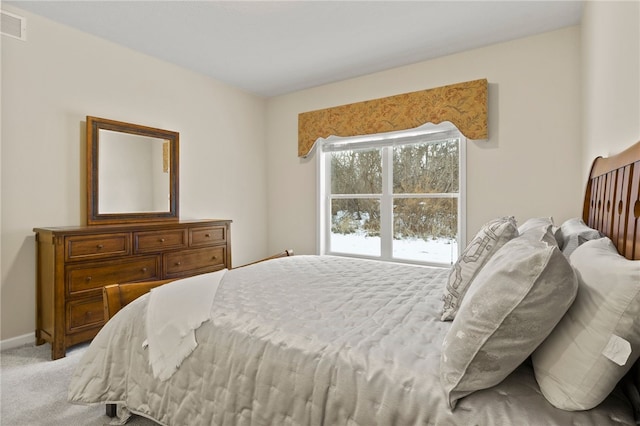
323	340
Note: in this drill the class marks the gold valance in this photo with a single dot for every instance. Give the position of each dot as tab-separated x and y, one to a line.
463	104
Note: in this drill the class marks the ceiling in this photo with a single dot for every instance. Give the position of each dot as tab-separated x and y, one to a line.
275	47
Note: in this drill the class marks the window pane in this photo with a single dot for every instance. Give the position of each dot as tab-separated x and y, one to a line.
425	229
355	226
356	172
426	168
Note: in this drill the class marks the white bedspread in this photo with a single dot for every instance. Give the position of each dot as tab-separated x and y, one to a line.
318	341
175	311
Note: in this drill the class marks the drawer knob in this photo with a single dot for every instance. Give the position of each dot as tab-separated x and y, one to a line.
178	263
144	269
88	278
100	246
162	240
214	257
207	235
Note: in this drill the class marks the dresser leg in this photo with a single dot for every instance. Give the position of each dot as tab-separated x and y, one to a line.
57	350
39	340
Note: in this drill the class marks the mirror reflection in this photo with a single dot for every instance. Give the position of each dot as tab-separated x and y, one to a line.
133	173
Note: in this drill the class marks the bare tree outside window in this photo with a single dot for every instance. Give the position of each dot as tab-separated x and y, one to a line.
422	189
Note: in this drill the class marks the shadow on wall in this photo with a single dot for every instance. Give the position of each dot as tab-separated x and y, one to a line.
19	290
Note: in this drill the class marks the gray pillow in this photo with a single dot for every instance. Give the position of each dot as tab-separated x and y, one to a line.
493	235
510	308
535	223
575	232
598	340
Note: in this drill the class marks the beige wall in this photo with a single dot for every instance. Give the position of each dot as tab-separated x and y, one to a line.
556	100
51	82
531	165
611	77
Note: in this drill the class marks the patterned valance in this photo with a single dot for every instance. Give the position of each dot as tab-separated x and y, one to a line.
463	104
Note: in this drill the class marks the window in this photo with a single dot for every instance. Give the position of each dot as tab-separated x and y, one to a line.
396	196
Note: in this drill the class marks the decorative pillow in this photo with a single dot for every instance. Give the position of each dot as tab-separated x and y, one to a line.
574	232
488	240
530	225
511	307
598	340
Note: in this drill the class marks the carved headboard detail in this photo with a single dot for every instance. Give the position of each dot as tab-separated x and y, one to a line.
612	200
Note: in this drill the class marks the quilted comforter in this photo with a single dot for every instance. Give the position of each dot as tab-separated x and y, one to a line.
313	340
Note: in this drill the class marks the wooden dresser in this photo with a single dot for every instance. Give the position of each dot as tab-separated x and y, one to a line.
74	263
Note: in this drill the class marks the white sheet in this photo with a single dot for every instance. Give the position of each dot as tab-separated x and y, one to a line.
175	311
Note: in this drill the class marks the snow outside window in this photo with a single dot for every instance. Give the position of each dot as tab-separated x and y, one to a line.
395	196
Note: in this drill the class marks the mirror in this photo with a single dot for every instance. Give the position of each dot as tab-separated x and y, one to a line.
132	172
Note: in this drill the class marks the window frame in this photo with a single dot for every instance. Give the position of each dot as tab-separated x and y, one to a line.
426	133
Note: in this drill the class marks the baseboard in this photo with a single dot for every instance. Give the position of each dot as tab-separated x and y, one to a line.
16	342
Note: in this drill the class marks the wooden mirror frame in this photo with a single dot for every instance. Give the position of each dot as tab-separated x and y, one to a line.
94	217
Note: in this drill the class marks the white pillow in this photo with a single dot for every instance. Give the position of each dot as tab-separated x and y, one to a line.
493	235
530	225
574	232
535	222
598	340
510	308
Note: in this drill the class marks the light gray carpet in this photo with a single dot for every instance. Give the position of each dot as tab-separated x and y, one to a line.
33	390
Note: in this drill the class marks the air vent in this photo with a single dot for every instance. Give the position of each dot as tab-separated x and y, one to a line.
13	25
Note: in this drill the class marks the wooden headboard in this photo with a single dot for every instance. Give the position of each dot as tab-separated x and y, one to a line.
612	200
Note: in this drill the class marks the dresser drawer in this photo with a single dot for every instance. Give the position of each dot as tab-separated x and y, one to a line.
159	240
207	236
194	261
83	247
81	278
85	313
